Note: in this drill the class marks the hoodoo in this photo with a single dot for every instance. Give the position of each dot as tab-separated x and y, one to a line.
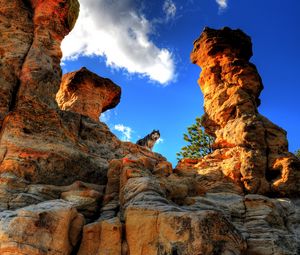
250	149
86	93
70	186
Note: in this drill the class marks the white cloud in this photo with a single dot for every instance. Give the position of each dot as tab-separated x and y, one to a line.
117	31
160	140
222	4
125	131
108	115
105	116
169	9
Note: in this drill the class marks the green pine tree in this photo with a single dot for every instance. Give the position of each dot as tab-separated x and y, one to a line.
297	153
199	143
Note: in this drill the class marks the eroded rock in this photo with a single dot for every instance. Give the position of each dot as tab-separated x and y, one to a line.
51	227
147	205
250	150
16	37
102	238
54	164
86	93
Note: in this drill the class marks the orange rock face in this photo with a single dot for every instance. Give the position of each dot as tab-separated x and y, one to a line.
40	73
86	93
255	151
102	238
16	37
48	228
39	142
69	186
156	218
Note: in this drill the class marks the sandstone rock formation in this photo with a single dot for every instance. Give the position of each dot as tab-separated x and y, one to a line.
250	150
47	228
31	32
153	223
38	141
177	214
88	94
16	19
69	186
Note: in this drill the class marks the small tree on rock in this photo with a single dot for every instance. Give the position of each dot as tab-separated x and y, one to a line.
297	154
199	143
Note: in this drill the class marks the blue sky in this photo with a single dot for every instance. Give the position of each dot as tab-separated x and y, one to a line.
144	47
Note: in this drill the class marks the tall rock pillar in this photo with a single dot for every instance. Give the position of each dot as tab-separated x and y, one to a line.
253	151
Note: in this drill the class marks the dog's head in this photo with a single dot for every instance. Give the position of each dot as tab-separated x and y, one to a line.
155	135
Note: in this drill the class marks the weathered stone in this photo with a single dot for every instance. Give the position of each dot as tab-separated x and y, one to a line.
48	154
41	73
17	193
16	26
268	225
102	238
218	172
86	93
187	233
47	228
57	147
34	134
147	206
255	151
163	168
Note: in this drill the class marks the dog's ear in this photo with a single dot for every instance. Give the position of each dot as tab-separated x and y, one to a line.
155	131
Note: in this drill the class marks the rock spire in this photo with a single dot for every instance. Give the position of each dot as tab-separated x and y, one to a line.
251	150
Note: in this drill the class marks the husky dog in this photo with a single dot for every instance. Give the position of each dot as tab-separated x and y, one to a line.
149	140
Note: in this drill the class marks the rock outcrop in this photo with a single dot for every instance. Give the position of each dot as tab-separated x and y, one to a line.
177	214
69	186
153	222
31	33
86	93
47	228
16	20
38	142
249	149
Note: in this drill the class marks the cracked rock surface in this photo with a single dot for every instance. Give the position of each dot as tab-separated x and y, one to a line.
69	186
250	150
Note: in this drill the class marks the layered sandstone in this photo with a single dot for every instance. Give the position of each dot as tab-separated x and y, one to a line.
38	142
16	37
148	205
178	214
31	32
47	228
31	76
250	149
86	93
69	186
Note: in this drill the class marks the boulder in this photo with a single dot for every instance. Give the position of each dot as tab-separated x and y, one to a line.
51	227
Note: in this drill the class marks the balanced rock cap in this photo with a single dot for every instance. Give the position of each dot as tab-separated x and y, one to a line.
213	42
87	93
